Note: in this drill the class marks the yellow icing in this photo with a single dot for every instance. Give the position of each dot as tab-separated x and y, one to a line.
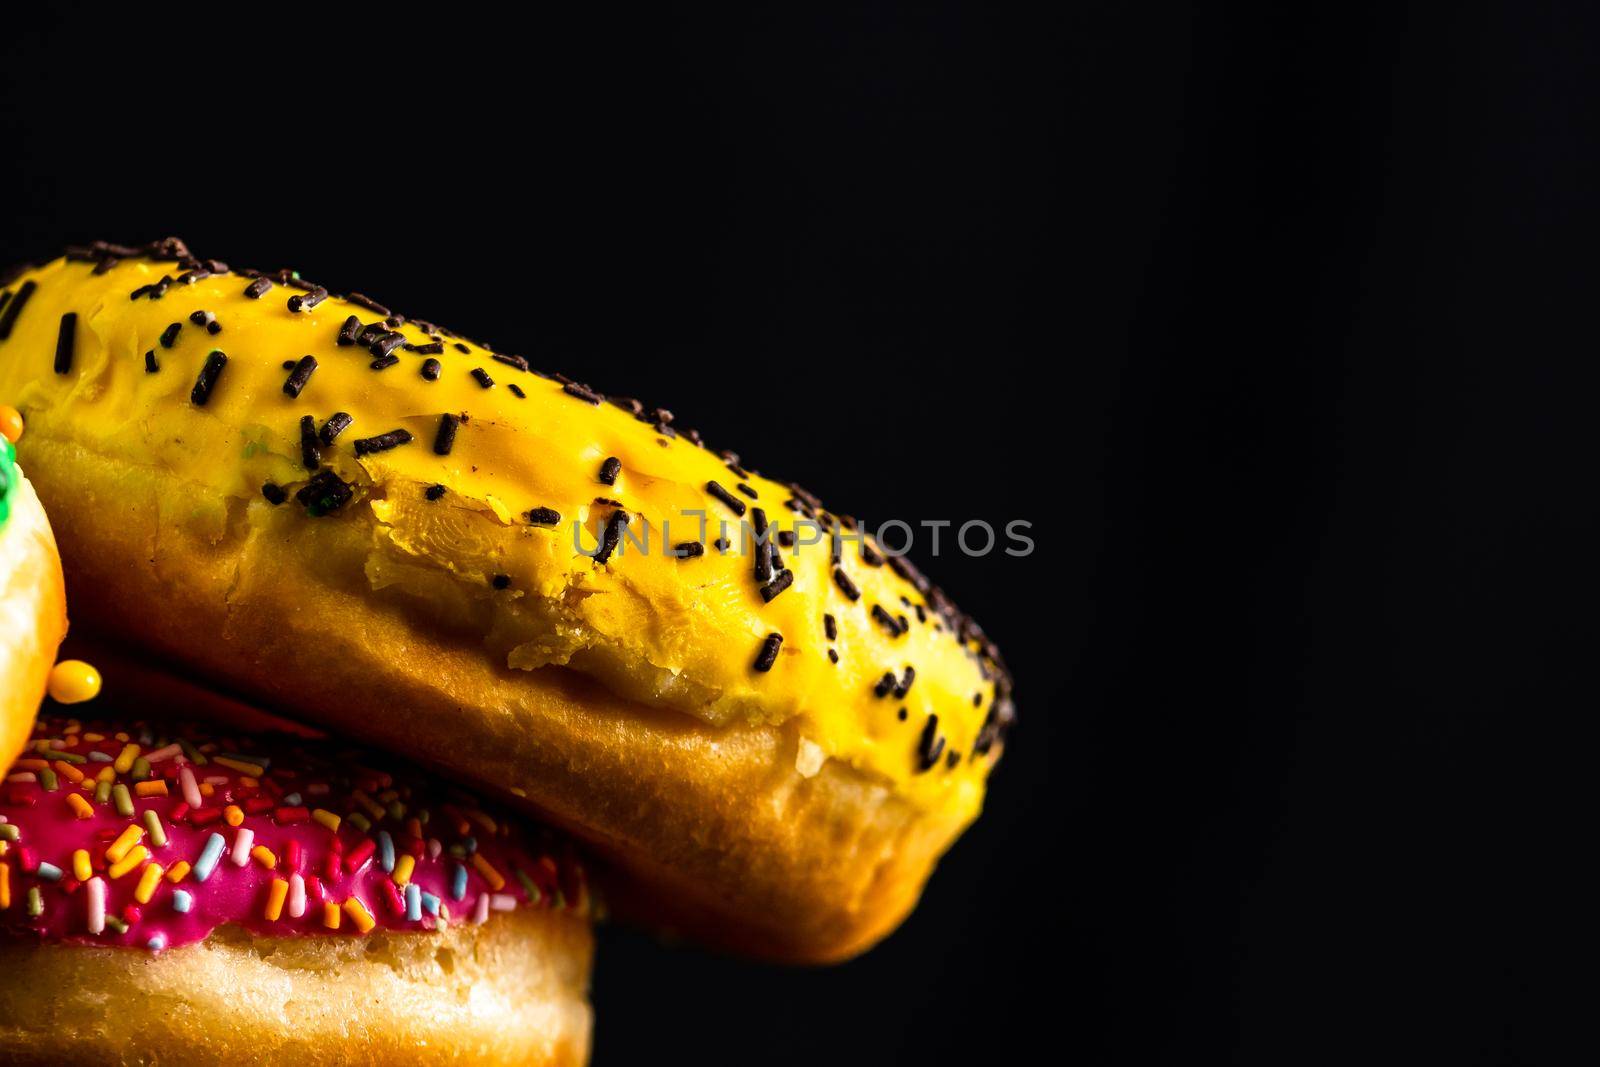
678	633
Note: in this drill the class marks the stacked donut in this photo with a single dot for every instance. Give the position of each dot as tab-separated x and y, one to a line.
764	728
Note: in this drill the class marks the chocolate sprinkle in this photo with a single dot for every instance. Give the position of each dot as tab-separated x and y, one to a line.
384	362
65	338
511	361
324	493
582	392
747	491
783	581
207	379
347	332
501	581
309	453
151	364
274	494
445	439
430	370
903	686
337	424
258	288
884	686
307	301
846	586
930	746
544	516
169	336
886	620
612	534
735	505
368	303
609	470
434	492
830	627
383	442
13	308
689	549
516	391
300	375
481	376
769	652
833	656
384	346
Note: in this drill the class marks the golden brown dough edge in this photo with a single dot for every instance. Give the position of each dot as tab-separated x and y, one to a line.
716	833
512	991
33	608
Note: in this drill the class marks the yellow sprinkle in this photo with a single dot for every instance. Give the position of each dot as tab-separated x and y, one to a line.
232	815
148	880
124	842
63	768
330	915
155	788
275	896
79	806
359	915
120	736
326	818
373	807
124	761
248	782
490	875
5	887
82	870
263	855
483	819
402	869
106	774
177	871
73	681
255	770
135	857
94	737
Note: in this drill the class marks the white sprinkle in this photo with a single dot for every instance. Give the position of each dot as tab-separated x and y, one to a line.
191	791
49	872
503	902
434	848
162	754
241	846
481	915
96	897
297	896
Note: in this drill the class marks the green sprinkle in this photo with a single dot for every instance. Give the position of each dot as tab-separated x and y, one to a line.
141	769
116	925
8	832
397	811
102	792
534	896
152	823
359	821
458	851
193	753
124	802
70	757
35	903
47	780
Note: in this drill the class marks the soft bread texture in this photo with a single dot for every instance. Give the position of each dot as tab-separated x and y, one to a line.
793	812
512	991
33	614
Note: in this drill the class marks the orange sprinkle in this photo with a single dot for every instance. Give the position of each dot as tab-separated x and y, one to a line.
155	788
330	915
263	855
490	875
79	806
10	423
359	915
33	765
177	871
232	815
5	886
275	898
63	768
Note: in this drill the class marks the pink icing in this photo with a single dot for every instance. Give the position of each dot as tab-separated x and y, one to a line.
327	776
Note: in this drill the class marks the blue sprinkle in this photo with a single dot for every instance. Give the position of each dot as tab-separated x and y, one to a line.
49	872
182	901
291	800
385	850
156	943
470	844
99	757
413	902
458	883
431	903
208	858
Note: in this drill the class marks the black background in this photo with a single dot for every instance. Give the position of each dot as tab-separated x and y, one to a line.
1276	325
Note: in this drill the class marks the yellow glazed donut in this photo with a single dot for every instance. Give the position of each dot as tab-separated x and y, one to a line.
33	610
772	728
171	893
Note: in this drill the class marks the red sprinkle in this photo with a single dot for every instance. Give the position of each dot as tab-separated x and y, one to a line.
292	815
357	859
291	856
